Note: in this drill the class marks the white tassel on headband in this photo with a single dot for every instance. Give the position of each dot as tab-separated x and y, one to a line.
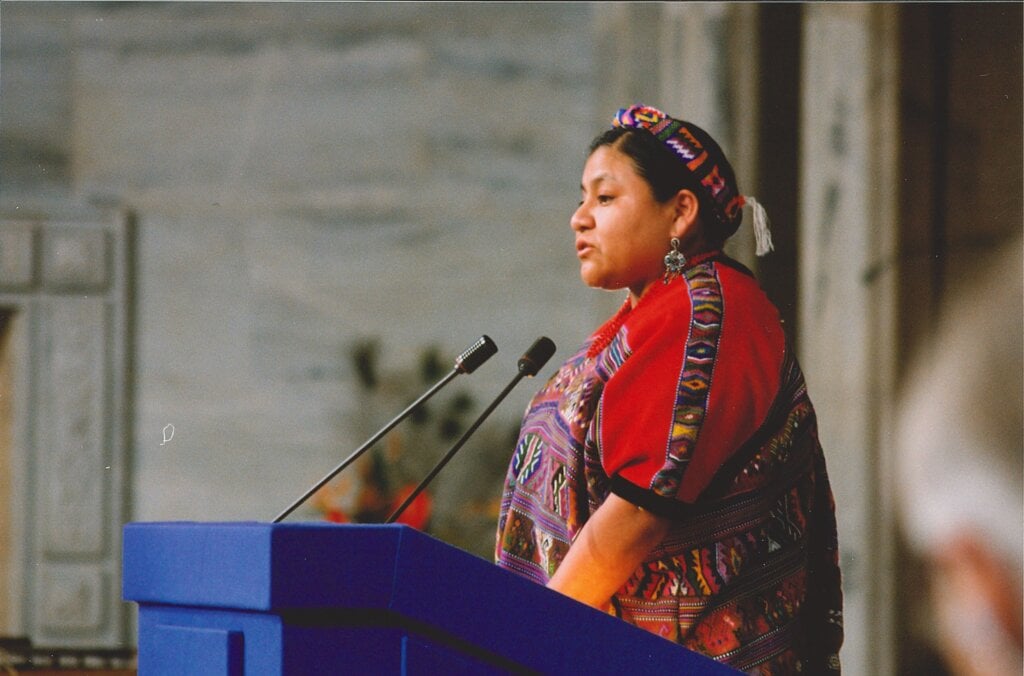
762	235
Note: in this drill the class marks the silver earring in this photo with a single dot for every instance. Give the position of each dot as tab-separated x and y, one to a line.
675	261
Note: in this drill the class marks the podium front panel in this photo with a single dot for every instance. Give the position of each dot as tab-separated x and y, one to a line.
315	598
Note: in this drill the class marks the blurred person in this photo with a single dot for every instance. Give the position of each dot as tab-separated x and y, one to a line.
959	472
670	472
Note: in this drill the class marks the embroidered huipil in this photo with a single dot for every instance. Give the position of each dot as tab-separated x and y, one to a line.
690	405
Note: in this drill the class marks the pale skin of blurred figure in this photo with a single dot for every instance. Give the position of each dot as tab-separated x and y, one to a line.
960	472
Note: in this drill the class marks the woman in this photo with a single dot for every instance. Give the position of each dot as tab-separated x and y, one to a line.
670	472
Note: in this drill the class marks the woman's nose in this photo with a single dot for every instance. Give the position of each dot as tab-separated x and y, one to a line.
580	219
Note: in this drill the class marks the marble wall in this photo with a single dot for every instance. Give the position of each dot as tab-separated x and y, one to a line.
308	180
308	177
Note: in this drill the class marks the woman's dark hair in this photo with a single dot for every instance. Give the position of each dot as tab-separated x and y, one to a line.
657	165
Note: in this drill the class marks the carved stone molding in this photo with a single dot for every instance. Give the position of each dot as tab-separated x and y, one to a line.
64	285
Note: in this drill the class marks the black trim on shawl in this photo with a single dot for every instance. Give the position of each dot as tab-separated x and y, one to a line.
722	480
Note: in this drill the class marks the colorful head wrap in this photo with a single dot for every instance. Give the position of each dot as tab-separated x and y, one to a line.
701	156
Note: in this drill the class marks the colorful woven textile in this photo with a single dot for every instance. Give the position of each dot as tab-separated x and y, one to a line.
691	406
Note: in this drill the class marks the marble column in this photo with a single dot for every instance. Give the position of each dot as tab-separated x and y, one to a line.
709	69
848	233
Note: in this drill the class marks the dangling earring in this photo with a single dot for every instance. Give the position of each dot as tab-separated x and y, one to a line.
674	261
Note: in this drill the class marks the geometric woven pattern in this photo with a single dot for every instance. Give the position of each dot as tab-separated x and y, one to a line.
748	573
695	380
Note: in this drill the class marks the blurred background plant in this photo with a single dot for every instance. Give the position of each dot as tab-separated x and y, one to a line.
460	506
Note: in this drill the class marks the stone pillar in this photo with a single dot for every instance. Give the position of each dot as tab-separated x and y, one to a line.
64	285
848	235
709	69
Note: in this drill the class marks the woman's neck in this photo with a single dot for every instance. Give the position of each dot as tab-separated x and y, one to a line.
636	295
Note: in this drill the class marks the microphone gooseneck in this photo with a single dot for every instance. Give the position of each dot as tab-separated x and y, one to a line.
467	362
529	365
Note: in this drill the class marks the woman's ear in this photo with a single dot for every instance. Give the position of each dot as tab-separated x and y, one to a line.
687	209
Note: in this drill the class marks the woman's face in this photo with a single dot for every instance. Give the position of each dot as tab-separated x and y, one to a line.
622	232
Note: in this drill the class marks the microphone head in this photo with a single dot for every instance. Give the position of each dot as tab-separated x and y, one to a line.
538	355
475	355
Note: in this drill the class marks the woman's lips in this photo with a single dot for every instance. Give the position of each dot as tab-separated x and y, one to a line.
583	248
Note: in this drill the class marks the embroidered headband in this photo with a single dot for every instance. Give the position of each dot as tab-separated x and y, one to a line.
704	160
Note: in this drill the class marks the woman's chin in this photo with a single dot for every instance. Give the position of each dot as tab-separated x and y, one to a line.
599	282
592	281
592	277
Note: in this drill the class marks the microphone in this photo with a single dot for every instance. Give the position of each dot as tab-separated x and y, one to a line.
467	362
529	365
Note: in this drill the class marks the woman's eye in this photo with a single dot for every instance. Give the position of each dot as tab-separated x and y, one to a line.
604	199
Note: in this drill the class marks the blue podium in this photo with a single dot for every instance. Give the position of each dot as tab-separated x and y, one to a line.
312	598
